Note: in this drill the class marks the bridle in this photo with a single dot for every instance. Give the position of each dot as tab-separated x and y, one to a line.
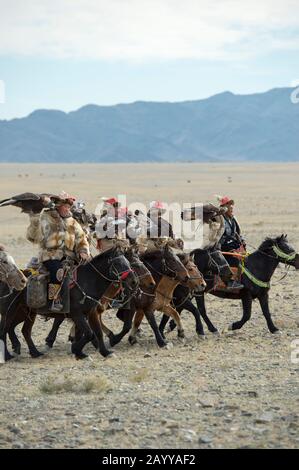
212	262
4	275
165	269
121	276
284	256
280	254
141	265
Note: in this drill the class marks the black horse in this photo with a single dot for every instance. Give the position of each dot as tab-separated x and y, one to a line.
163	261
146	282
257	272
93	278
211	263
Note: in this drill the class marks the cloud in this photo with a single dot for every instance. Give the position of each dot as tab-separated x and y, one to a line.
143	30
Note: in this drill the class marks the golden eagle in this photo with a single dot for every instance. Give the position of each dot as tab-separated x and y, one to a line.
31	202
209	211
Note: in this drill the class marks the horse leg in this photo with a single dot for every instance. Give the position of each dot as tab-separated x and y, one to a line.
16	345
50	339
247	305
202	310
95	325
136	323
127	324
149	313
163	323
4	354
81	340
171	312
264	303
26	331
190	307
4	328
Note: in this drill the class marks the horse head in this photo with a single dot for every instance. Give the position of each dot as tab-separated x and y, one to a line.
172	265
196	281
120	270
281	249
144	275
211	260
10	273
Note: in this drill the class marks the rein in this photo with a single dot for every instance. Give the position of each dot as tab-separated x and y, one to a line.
279	254
147	263
123	275
11	289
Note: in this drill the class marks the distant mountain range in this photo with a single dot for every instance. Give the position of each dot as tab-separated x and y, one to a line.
224	127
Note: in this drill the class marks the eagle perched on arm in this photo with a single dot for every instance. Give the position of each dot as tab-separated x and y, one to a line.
31	202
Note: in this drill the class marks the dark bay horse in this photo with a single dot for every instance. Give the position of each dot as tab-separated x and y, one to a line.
146	284
93	278
259	269
162	262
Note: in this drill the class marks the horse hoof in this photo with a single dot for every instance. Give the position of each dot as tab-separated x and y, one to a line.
8	357
81	356
216	333
16	353
132	340
36	354
48	346
169	345
276	332
111	355
201	337
226	329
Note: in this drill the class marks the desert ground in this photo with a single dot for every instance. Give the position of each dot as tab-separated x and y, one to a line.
230	391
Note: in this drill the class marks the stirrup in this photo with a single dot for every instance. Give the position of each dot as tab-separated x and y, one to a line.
235	286
56	306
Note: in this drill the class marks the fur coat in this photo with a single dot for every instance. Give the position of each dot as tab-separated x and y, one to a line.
56	236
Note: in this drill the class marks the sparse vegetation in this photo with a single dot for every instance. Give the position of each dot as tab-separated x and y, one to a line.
53	385
140	375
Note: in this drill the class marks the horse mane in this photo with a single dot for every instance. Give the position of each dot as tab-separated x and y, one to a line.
202	250
105	254
149	255
183	257
269	242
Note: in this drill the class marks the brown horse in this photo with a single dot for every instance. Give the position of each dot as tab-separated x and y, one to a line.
164	294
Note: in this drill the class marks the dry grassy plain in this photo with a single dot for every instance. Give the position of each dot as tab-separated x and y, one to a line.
236	390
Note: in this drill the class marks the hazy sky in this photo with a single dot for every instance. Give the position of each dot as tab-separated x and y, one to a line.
64	54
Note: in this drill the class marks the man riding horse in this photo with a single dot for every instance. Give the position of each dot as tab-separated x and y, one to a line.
59	237
231	239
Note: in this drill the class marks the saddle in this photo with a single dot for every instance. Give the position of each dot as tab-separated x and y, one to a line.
220	285
236	271
41	293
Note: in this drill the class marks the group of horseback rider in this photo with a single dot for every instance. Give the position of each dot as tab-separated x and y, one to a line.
64	232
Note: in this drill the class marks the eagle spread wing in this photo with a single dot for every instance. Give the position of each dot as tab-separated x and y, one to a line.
209	211
30	202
